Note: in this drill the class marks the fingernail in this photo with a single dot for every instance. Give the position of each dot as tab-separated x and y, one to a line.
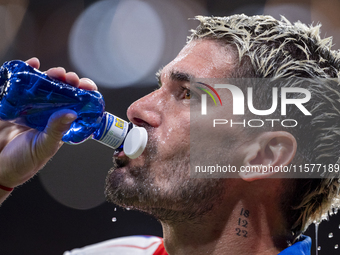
68	118
89	81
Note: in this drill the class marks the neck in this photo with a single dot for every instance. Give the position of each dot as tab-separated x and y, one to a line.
229	228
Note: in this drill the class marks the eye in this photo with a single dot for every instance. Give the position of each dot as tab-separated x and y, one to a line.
187	94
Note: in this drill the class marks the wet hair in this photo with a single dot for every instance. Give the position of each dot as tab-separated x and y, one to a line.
269	48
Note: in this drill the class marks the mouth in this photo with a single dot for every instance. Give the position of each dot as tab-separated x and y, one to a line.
120	160
119	154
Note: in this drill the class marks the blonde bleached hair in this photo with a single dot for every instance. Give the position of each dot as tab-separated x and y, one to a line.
269	48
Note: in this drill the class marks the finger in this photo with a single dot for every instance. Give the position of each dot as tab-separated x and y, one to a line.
58	124
33	62
72	79
87	84
58	73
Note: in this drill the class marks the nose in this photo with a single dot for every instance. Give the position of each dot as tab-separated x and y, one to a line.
147	111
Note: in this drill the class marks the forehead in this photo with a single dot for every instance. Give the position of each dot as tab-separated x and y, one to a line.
202	59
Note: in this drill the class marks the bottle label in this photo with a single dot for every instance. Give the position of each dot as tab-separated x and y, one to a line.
115	131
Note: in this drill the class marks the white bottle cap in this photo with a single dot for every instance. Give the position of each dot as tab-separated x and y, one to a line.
135	142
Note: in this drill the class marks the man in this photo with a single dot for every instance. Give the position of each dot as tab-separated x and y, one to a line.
248	215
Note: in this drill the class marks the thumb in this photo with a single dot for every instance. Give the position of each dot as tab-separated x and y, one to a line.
58	124
49	141
31	150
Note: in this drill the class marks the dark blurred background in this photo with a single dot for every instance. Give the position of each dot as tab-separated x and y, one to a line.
120	45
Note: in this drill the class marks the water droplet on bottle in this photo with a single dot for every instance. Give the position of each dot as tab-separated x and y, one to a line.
114	219
336	246
330	235
319	248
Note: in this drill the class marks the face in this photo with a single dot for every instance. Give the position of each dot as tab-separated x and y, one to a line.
158	181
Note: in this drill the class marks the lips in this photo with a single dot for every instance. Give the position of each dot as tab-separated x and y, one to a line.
118	154
120	161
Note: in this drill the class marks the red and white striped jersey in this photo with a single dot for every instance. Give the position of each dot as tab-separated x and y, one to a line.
134	245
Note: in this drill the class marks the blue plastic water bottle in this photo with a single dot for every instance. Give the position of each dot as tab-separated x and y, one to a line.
29	97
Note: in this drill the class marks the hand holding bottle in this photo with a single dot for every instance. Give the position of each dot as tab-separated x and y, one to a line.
24	151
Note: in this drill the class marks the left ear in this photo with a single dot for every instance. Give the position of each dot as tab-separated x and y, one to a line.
267	150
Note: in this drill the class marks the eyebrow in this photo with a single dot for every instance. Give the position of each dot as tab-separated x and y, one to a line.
174	76
180	76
